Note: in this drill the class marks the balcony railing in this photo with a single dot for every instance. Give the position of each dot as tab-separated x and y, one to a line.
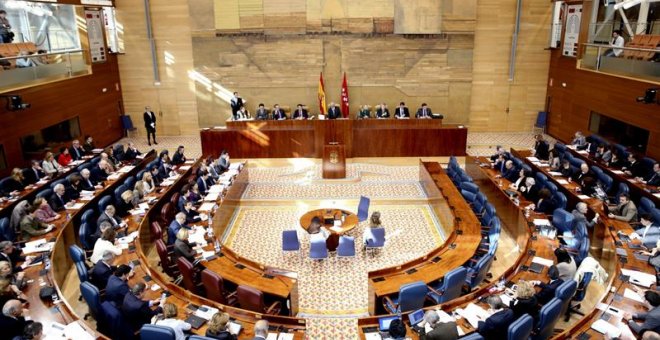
28	70
640	63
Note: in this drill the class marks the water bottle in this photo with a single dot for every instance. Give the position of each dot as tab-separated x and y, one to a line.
209	231
216	245
46	262
68	216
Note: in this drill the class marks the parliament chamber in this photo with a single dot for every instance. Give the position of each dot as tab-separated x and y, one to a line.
291	169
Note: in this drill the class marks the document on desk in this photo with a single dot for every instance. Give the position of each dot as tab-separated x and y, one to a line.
583	197
38	246
285	336
632	295
473	314
184	167
126	169
604	327
541	222
217	188
554	173
76	206
562	181
373	336
609	309
271	336
533	159
234	328
75	331
543	261
639	278
207	206
211	197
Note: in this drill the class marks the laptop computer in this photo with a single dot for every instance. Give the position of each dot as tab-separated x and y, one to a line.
416	317
384	323
195	321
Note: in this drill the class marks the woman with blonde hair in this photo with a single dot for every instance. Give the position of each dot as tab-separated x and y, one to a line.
125	204
50	165
15	183
218	327
10	292
182	246
15	279
526	300
139	192
169	320
148	181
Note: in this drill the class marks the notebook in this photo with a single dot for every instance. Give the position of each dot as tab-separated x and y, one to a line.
195	321
536	268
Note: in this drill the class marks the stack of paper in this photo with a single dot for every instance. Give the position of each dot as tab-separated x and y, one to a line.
211	197
114	177
143	206
639	278
128	238
217	188
97	150
166	183
543	261
533	159
76	206
632	295
473	314
38	246
541	222
125	169
604	327
554	173
618	172
372	336
206	207
235	166
562	181
207	314
583	197
184	167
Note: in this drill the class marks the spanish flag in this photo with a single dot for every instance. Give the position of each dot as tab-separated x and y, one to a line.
322	105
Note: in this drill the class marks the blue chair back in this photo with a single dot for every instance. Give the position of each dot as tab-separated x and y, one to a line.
363	208
477	274
560	147
346	247
565	293
88	216
469	196
621	151
83	166
6	232
596	170
412	296
71	175
655	213
541	120
471	187
318	250
551	186
81	269
451	286
155	332
85	234
541	178
139	174
104	202
77	254
583	251
378	238
62	181
479	204
562	220
118	191
45	194
465	177
521	328
130	183
548	317
648	163
95	160
92	296
606	181
622	189
473	336
114	323
199	337
290	240
646	206
581	292
527	168
560	200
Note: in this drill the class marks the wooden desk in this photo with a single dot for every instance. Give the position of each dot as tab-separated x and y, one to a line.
361	138
350	222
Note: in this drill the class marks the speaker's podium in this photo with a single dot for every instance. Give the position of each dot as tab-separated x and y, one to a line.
334	161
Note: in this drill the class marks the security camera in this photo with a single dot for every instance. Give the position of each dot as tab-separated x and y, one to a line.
649	97
15	103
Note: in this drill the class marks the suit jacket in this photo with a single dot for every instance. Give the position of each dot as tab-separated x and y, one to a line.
420	113
172	230
261	114
12	327
164	170
88	147
131	154
334	113
626	212
380	113
203	186
137	312
496	325
580	217
651	319
297	114
222	335
104	217
30	226
525	306
182	248
364	114
653	179
100	274
566	172
57	202
88	184
76	153
178	158
638	169
149	118
116	290
547	291
500	165
98	175
123	208
511	174
33	176
192	216
652	235
546	206
279	114
443	330
398	113
236	104
530	193
13	185
223	163
542	150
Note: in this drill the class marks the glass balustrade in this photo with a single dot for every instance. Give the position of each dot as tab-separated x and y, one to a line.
639	63
24	69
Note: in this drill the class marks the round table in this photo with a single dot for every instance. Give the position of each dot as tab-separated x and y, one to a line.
350	221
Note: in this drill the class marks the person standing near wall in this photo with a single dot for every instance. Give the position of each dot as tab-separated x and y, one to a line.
150	124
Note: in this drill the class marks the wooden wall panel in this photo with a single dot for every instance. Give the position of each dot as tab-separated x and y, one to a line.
417	16
586	91
98	110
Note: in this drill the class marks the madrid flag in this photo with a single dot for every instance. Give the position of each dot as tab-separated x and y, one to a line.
322	106
344	98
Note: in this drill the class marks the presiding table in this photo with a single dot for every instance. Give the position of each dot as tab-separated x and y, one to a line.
349	221
361	138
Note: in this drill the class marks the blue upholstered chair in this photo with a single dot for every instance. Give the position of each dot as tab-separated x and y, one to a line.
104	202
45	194
114	324
548	317
290	241
521	328
363	208
471	187
411	297
155	332
473	336
346	247
579	296
562	220
565	293
377	239
92	297
450	287
477	274
318	250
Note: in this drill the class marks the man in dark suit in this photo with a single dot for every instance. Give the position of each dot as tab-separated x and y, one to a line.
155	175
651	319
547	291
236	103
12	321
117	287
150	124
102	270
382	111
499	151
109	215
223	162
35	173
300	113
76	151
89	144
262	113
333	111
59	199
87	182
98	173
202	184
510	171
424	112
440	329
192	216
401	111
131	152
137	311
498	323
179	157
541	148
654	177
9	253
586	179
278	114
176	224
634	168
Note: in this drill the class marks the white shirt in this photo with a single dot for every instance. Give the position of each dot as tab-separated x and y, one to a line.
618	42
179	326
148	186
100	247
320	236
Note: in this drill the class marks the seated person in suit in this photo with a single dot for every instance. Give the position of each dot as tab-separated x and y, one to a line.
547	291
510	171
192	216
169	319
654	177
183	248
432	327
580	214
566	169
89	144
364	112
131	152
30	226
223	161
260	330
32	331
499	320
541	148
117	287
243	114
218	327
499	151
603	153
15	182
35	174
616	162
12	320
401	111
522	174
65	157
278	114
76	151
529	189
499	162
137	311
202	183
177	224
100	172
104	244
649	233
165	168
262	113
50	165
424	112
526	301
155	175
554	161
634	168
59	199
382	111
178	157
125	204
625	211
16	279
109	215
11	254
300	113
579	141
44	212
651	319
102	270
333	111
545	204
88	184
586	179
